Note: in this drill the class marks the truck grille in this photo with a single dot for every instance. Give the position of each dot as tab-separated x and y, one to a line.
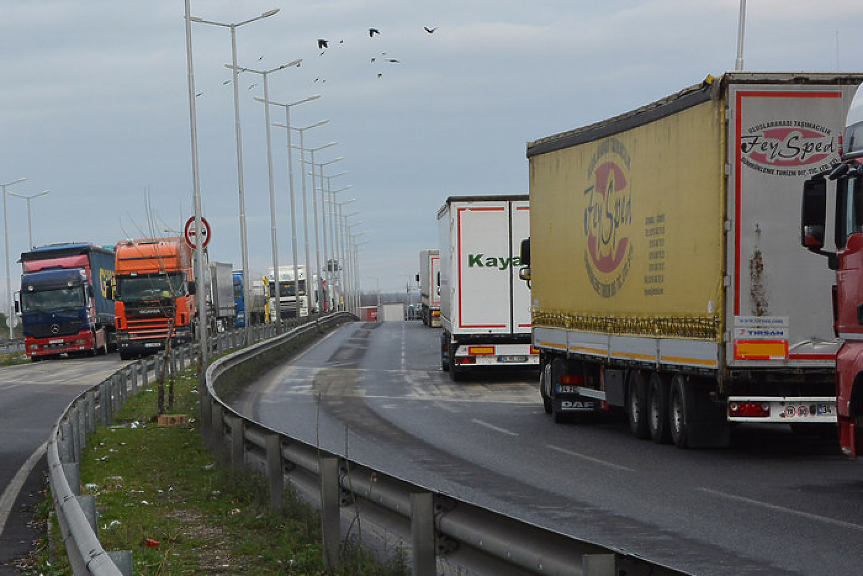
55	329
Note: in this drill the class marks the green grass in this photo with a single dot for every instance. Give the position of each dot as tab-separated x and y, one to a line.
160	494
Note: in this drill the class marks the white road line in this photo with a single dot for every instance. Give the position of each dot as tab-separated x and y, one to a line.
14	487
589	458
495	428
775	508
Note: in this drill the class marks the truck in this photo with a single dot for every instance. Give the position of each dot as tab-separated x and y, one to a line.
63	300
661	279
484	308
258	310
220	295
429	281
154	295
239	300
845	182
287	292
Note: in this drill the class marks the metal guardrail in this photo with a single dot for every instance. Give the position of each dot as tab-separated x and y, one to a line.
439	524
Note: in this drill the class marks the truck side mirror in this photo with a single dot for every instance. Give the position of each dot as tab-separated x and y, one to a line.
192	288
813	214
418	277
524	254
17	307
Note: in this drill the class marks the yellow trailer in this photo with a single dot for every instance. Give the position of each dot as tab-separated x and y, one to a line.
663	272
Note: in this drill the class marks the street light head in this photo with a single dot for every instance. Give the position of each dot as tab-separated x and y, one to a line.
269	13
196	19
279	124
310	98
296	63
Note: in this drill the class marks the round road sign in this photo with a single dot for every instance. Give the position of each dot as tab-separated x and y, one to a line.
191	233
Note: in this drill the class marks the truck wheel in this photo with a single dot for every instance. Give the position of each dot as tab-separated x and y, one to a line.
677	413
636	405
658	408
544	380
444	352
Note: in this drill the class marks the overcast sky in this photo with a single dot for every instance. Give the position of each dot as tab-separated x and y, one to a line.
94	104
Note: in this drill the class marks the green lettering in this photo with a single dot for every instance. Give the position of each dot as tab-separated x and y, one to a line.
474	260
491	262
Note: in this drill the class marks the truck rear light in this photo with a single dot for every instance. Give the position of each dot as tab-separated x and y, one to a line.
572	379
749	409
465	360
534	350
480	350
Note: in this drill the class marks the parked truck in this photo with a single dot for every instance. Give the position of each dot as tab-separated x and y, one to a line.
63	303
429	281
484	308
288	292
845	180
220	295
155	295
661	276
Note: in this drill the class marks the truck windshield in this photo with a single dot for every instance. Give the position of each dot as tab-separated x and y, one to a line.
53	299
286	288
152	287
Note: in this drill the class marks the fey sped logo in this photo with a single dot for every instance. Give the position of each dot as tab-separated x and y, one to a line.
608	218
787	147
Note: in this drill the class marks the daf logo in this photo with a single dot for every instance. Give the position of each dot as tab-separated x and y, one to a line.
582	406
55	329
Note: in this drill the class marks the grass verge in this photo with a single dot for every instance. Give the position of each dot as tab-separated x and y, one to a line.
160	494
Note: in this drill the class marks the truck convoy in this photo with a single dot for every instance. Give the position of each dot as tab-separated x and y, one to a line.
429	280
287	292
63	300
659	264
154	294
846	181
484	308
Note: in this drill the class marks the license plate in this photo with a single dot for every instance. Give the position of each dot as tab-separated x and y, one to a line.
512	359
55	341
567	389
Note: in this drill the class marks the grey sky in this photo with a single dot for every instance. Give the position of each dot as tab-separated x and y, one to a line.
94	106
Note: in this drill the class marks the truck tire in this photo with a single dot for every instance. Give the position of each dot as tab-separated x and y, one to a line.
678	415
658	408
544	382
636	405
444	352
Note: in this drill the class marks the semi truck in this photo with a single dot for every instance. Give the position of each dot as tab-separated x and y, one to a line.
661	279
220	295
429	281
288	292
154	295
845	182
484	308
63	300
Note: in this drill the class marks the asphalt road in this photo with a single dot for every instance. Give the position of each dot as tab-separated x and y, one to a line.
772	503
32	398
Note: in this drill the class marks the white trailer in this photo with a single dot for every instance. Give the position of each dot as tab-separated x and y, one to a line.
221	293
485	308
429	280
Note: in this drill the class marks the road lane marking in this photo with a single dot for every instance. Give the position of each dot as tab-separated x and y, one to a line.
775	508
495	428
589	458
14	487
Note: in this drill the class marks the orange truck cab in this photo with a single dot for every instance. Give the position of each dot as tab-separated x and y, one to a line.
154	295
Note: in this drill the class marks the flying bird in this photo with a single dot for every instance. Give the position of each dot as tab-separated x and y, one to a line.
226	82
373	31
393	60
322	43
430	30
252	86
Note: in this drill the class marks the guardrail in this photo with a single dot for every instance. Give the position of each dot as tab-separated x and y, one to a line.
441	526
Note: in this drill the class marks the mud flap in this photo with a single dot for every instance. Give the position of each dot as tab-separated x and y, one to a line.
707	426
574	404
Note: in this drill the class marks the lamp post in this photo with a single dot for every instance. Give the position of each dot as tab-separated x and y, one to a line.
200	296
334	275
338	235
305	207
243	244
6	233
29	220
264	74
325	228
287	124
350	277
315	212
741	26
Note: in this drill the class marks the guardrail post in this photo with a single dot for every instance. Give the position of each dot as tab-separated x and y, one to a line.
238	442
123	383
133	377
115	395
91	411
181	358
275	473
599	565
88	507
330	514
105	402
73	477
74	437
216	426
206	413
122	559
423	534
80	415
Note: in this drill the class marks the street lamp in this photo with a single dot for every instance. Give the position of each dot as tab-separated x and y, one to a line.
265	73
324	225
332	223
338	235
305	208
243	244
29	220
287	125
6	233
315	211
